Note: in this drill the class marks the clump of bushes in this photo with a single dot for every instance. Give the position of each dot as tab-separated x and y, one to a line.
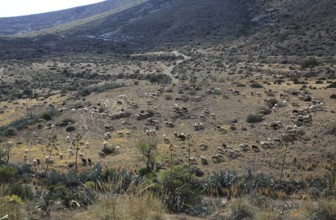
254	118
256	85
8	174
309	63
46	116
109	150
11	132
158	78
70	128
333	96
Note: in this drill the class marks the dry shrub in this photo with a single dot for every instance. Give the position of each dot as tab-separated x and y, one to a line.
322	209
238	209
135	204
11	206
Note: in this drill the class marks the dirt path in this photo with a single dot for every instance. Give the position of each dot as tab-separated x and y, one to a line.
168	71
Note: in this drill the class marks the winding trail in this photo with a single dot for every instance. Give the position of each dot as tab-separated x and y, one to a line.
168	71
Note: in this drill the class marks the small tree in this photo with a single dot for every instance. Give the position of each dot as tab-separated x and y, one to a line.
148	150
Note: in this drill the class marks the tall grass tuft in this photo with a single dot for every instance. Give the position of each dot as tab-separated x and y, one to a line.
136	203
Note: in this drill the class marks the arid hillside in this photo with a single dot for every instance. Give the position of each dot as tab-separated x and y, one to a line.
171	109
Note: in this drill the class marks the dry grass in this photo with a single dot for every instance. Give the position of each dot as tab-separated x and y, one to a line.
321	209
11	206
127	206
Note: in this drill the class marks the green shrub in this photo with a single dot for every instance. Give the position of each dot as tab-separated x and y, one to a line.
11	132
309	63
109	150
178	188
256	85
7	174
70	128
333	96
46	116
23	191
39	126
253	118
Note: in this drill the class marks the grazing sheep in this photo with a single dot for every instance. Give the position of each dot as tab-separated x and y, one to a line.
105	144
169	124
233	154
288	137
87	145
218	158
101	154
71	165
61	156
255	149
49	160
9	144
204	160
221	129
220	150
120	134
278	141
233	127
68	139
165	139
84	162
107	135
198	126
36	162
193	161
244	147
181	137
70	152
213	116
203	147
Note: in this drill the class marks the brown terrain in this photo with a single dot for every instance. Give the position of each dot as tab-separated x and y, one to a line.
248	86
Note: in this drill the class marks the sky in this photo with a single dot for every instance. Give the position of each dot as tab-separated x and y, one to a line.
10	8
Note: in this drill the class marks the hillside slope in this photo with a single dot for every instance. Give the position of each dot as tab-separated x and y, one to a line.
29	23
258	28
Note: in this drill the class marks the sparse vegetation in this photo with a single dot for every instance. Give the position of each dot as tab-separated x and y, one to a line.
256	85
229	115
70	128
253	118
331	130
309	63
